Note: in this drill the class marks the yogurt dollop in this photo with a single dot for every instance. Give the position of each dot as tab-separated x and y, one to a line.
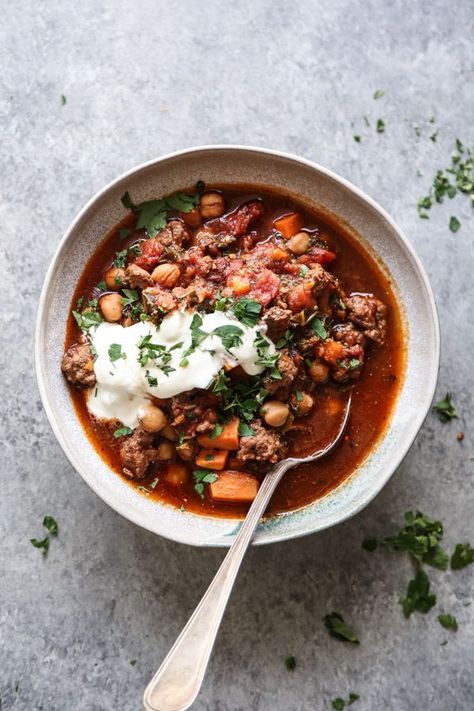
126	377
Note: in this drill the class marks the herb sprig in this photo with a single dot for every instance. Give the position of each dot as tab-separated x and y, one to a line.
153	214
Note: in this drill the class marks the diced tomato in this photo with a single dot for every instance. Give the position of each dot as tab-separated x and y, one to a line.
301	297
317	255
238	221
150	254
266	287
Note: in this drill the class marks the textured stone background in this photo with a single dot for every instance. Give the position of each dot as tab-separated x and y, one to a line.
147	77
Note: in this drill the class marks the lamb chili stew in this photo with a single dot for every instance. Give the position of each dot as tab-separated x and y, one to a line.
218	330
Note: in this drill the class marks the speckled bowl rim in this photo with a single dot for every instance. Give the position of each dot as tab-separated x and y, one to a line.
266	532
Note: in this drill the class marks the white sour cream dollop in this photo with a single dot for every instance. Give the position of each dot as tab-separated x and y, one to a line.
123	385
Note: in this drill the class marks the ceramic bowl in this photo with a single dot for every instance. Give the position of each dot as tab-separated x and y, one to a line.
315	185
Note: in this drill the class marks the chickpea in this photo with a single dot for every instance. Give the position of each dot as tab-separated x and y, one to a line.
166	275
164	451
275	413
299	243
169	433
114	278
212	204
152	419
318	372
186	450
111	307
304	405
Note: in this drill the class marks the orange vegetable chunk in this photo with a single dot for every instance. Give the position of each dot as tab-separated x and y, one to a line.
212	458
289	225
234	487
228	438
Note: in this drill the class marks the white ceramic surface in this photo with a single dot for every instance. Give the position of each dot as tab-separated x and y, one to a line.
315	185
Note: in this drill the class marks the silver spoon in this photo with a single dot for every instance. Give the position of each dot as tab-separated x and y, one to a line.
178	680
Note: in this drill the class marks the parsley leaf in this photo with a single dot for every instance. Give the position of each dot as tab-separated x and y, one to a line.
231	336
454	223
418	597
290	663
449	622
318	327
120	259
87	319
152	382
122	431
462	557
338	704
245	430
202	477
353	697
356	138
338	628
420	537
130	297
445	408
63	100
380	125
378	94
43	544
153	214
218	429
247	311
51	525
115	352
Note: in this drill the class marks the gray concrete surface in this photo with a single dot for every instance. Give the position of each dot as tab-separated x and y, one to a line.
147	77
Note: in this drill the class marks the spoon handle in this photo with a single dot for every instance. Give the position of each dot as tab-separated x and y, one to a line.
178	680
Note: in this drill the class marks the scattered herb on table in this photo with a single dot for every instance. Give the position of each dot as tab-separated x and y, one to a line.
339	629
378	94
290	663
357	138
51	525
43	544
462	557
454	224
445	408
380	125
339	703
458	177
418	597
63	100
449	622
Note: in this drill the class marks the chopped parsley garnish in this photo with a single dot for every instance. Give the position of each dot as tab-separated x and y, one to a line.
115	352
339	704
231	336
339	629
220	303
445	408
101	286
43	544
201	478
152	381
87	319
420	537
63	100
131	296
353	697
155	352
290	663
449	622
318	327
378	94
51	525
356	138
462	557
299	396
380	125
247	311
122	432
241	398
120	259
216	431
418	597
454	223
285	340
153	214
304	269
245	430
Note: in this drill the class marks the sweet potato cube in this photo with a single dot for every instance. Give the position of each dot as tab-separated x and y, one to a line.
233	487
